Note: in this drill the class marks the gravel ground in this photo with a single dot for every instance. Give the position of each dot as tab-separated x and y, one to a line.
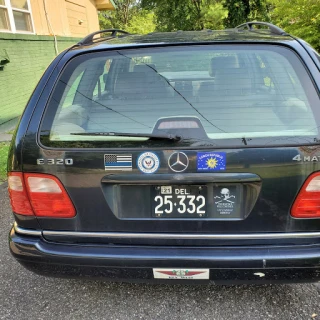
24	295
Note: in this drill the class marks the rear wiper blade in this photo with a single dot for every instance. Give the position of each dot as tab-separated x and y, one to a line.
151	136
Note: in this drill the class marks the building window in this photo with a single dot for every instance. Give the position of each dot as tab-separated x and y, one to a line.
15	16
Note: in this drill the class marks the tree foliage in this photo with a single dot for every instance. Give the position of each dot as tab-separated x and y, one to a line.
171	15
120	17
298	17
240	11
128	16
199	14
213	16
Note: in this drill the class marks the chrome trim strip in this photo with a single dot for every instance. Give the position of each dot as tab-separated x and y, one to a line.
125	235
27	232
177	178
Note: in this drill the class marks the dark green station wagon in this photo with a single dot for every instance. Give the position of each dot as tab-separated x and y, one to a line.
172	157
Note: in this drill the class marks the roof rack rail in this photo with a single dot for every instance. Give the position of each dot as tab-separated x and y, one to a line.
274	29
113	33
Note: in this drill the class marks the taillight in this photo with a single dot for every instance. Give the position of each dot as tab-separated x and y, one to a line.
18	194
43	193
307	203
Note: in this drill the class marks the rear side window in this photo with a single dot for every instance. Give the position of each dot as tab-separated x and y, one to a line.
209	95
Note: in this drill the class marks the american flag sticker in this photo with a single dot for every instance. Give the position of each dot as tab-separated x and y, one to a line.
122	162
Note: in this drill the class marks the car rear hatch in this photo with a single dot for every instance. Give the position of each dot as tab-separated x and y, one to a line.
157	145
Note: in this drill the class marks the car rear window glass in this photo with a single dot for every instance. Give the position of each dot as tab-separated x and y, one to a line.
207	95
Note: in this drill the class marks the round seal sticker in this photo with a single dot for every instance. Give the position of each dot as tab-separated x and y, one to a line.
148	162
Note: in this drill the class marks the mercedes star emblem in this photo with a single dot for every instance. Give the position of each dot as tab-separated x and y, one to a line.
178	161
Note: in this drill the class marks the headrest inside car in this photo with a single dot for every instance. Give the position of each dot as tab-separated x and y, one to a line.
129	84
235	81
223	62
140	85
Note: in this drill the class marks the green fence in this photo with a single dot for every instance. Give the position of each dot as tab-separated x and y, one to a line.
23	59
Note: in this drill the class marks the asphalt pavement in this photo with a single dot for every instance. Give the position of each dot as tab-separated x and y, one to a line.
24	295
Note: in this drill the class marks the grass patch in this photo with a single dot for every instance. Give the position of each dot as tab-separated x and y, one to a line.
4	148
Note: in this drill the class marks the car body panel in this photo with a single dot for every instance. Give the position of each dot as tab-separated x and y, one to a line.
276	179
227	265
83	181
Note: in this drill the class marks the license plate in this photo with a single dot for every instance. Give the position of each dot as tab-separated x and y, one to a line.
179	202
177	274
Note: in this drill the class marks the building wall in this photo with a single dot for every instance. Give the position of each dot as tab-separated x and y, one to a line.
74	18
29	56
92	12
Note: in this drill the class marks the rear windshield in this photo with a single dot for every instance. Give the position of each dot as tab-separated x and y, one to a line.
213	95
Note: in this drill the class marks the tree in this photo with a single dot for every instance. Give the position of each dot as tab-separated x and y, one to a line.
213	16
121	16
298	17
172	15
128	16
240	11
142	22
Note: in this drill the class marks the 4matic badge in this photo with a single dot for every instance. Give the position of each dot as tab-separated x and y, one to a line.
299	158
148	162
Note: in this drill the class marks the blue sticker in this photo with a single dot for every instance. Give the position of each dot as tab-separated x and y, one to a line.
211	161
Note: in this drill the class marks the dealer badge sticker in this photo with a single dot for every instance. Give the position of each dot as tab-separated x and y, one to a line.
148	162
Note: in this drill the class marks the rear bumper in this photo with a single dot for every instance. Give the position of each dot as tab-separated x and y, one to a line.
298	263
